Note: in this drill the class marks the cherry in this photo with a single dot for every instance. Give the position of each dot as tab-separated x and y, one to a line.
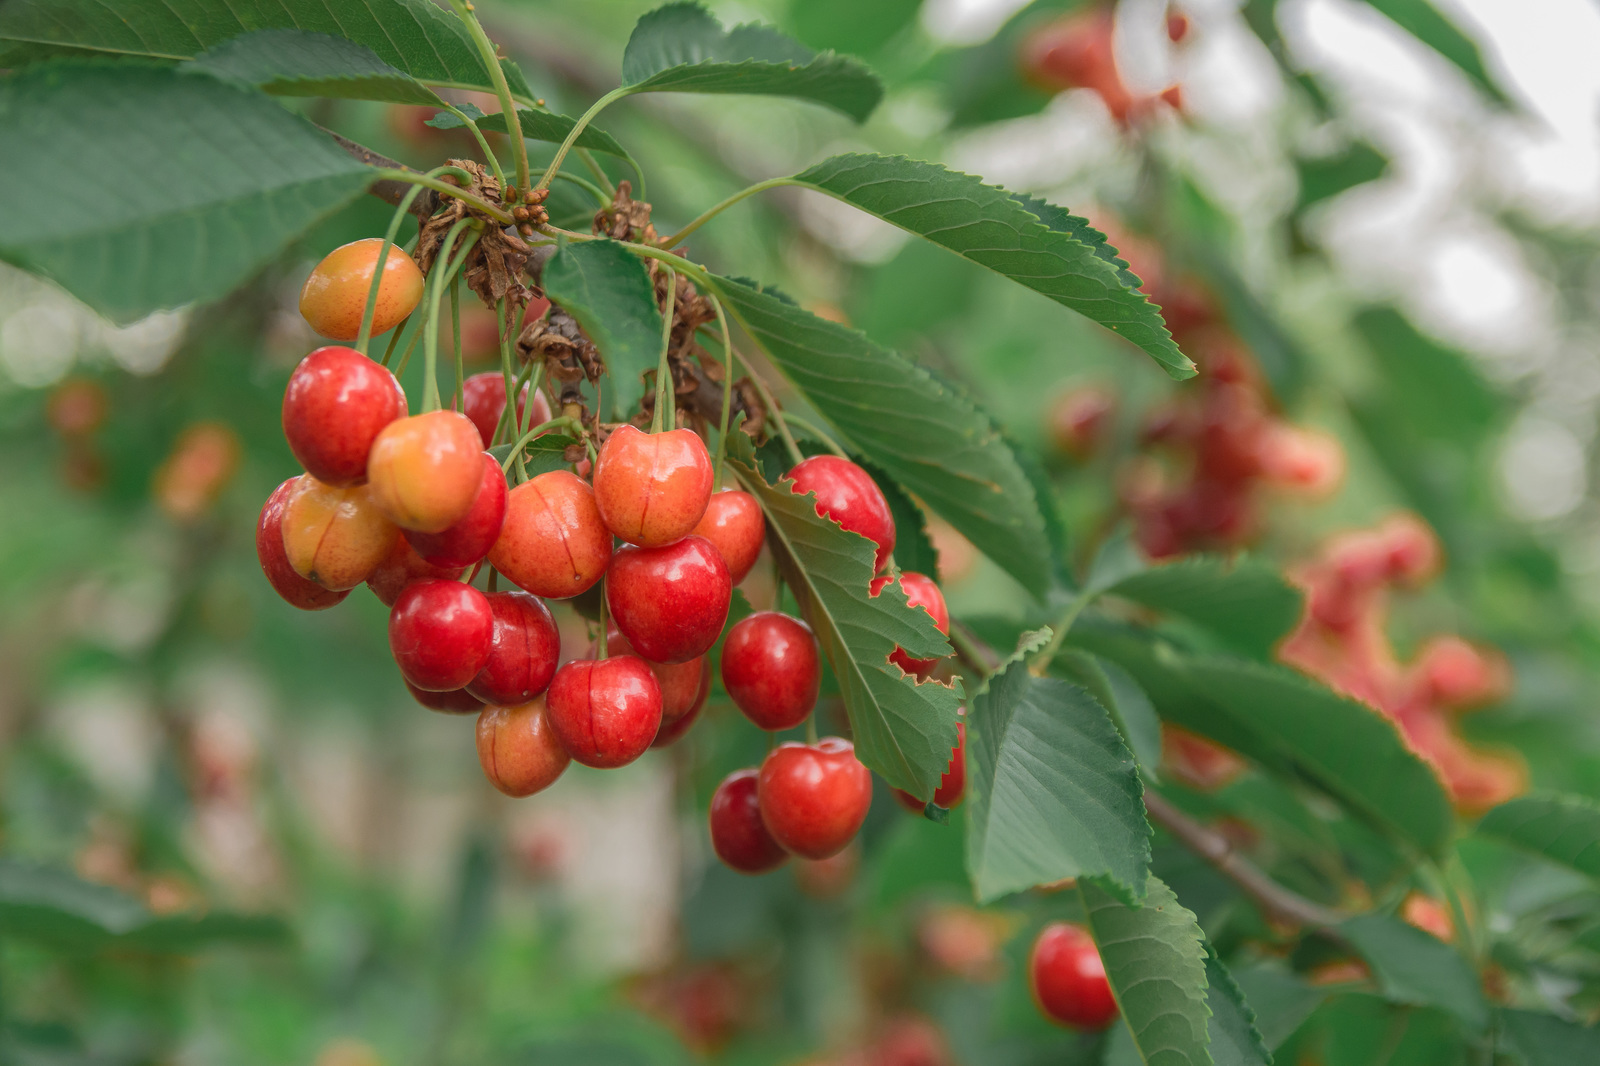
470	538
426	470
403	566
605	711
335	295
1430	915
684	686
652	488
738	835
848	495
671	732
814	797
921	591
484	401
1080	419
553	543
669	602
453	701
772	669
337	402
334	536
523	651
1069	980
952	784
1456	674
441	633
297	591
519	750
195	472
734	525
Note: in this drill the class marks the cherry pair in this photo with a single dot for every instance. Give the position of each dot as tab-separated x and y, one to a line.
807	800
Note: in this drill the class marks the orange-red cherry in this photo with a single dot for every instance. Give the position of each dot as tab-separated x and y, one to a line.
772	669
296	590
951	785
814	797
1068	979
454	701
671	602
441	633
334	536
336	404
652	488
334	297
400	568
426	470
484	401
523	652
921	591
734	525
553	543
470	538
684	686
518	750
848	495
738	835
605	711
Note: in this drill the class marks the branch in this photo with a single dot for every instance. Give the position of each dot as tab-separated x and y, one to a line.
389	191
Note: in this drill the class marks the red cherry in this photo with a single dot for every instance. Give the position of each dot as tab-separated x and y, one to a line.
297	591
734	525
671	732
605	711
425	471
335	295
440	633
814	798
337	403
553	543
772	669
951	785
1069	980
652	488
523	651
455	701
921	591
684	686
401	568
484	401
669	602
471	538
848	495
738	835
518	750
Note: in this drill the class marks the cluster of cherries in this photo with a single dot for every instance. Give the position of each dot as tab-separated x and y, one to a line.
1077	52
407	503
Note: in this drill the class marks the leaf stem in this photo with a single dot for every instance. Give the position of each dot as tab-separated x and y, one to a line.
577	130
498	214
543	427
717	209
483	142
497	77
442	268
727	391
1040	663
812	428
666	396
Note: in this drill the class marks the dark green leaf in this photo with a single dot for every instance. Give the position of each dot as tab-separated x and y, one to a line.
1424	22
295	63
540	125
183	934
1545	1040
1052	791
1122	698
1564	829
189	216
932	440
912	549
1235	1041
1031	242
986	83
1414	967
846	25
544	453
1323	177
609	292
681	47
1247	604
1280	998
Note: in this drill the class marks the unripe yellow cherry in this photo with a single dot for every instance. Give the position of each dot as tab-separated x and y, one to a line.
335	295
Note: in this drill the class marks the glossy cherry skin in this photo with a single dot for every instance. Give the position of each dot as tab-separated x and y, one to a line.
921	591
652	488
441	633
337	403
684	686
672	732
519	751
738	835
426	470
848	495
471	538
951	785
1069	980
814	798
772	669
335	295
734	525
334	536
484	401
400	568
455	701
297	591
553	543
669	602
605	711
523	652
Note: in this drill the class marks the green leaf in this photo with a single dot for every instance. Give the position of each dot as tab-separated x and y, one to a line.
682	48
1246	604
1282	1001
849	25
188	216
1324	177
1052	791
931	439
540	125
912	549
1545	1040
1155	959
415	36
1035	244
1438	391
609	292
1423	21
1415	967
1235	1041
903	730
295	63
544	453
1130	709
1561	828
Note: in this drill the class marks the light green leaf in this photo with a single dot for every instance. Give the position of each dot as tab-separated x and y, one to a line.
543	454
609	292
1246	604
540	125
295	63
1323	177
1561	828
190	214
1414	967
1545	1040
1235	1041
1035	244
1130	709
681	47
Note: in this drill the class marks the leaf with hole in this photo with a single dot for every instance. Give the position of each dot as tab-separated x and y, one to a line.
609	292
296	63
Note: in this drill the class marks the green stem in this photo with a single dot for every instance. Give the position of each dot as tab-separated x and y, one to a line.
666	397
712	212
411	345
603	641
577	130
542	427
440	278
771	406
483	143
394	338
500	215
497	75
727	391
588	186
811	729
506	371
599	173
460	401
812	428
364	336
1041	662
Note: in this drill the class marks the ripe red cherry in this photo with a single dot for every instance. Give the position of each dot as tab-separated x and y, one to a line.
403	566
669	602
652	488
605	711
336	404
334	536
523	651
553	543
471	538
684	686
951	785
297	591
921	591
814	798
440	633
734	525
671	732
518	750
335	295
484	401
455	701
738	835
772	669
426	470
848	495
1069	980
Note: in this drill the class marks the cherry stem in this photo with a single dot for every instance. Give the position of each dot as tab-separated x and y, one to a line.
812	428
497	77
364	336
600	174
460	401
1040	663
577	131
542	427
712	212
441	274
470	578
498	214
811	729
483	142
771	407
665	394
494	580
727	391
590	187
603	641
